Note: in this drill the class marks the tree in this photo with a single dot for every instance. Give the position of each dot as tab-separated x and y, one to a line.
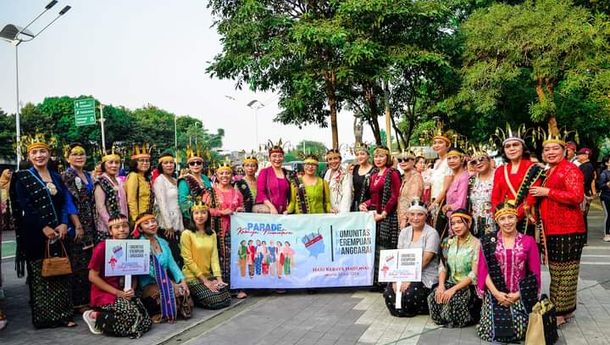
7	135
559	50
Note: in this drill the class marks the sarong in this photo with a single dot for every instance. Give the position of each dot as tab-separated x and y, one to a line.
207	299
124	318
486	328
414	300
463	309
564	265
50	298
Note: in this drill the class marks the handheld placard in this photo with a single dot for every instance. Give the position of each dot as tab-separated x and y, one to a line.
398	295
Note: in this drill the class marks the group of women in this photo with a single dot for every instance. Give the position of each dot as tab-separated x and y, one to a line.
474	229
486	269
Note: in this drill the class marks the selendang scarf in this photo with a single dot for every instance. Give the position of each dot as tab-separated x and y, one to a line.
502	316
166	290
388	227
244	189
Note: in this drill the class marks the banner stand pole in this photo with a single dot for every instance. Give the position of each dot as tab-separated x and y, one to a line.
398	296
127	283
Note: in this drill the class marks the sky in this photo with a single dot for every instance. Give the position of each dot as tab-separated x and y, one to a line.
137	52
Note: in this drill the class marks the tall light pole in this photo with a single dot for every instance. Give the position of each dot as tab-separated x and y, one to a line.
17	35
255	105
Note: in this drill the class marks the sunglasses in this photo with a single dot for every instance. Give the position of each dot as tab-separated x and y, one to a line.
404	160
195	163
478	160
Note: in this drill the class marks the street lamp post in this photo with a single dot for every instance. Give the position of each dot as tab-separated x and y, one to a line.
255	105
16	35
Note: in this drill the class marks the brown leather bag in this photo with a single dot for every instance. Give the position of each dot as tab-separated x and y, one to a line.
53	266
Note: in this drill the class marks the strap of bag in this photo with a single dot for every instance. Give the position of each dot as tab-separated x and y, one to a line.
48	249
510	185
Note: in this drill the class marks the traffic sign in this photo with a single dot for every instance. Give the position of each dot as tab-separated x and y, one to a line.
84	111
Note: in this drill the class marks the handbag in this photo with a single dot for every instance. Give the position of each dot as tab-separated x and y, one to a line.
53	266
185	306
542	325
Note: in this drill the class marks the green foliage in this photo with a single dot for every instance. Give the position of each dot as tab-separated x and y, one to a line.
55	116
550	53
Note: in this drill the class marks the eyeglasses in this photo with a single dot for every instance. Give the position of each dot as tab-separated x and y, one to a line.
478	160
195	163
404	160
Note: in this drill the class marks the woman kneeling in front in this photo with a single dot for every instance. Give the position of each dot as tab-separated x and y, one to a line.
201	265
508	279
454	303
417	235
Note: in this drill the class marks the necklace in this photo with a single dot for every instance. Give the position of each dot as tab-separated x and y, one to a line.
378	177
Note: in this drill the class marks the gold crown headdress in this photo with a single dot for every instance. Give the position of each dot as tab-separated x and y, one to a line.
509	134
113	155
74	148
311	159
141	151
440	133
361	147
199	205
478	151
548	137
508	207
193	153
225	166
380	149
406	153
36	141
332	153
275	148
250	158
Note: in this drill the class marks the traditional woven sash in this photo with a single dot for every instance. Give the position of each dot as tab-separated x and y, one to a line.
244	189
112	199
302	202
166	290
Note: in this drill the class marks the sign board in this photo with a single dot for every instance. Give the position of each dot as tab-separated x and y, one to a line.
302	251
400	265
127	257
84	111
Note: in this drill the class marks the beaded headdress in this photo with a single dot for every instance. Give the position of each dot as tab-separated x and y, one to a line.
417	206
361	147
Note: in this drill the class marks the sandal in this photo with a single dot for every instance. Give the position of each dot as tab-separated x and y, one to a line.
241	295
3	320
158	318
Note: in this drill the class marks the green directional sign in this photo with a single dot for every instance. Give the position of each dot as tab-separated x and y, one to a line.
84	111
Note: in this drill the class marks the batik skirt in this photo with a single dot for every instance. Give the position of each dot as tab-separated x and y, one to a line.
564	265
486	328
123	318
207	299
463	309
50	298
414	300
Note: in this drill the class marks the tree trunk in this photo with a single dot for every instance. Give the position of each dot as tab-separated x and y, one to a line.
370	99
541	84
331	96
